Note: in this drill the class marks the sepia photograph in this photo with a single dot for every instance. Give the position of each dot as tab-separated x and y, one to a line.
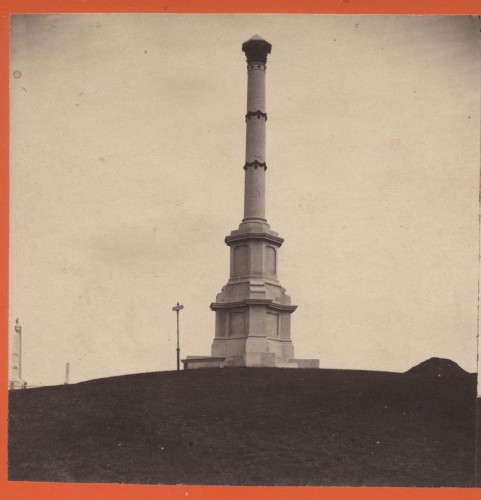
244	249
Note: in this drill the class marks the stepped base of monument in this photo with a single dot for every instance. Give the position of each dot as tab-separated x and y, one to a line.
259	352
196	362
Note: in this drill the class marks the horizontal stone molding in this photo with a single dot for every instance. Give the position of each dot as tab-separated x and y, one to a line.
226	305
281	341
269	303
257	113
270	339
266	279
282	307
256	164
223	339
254	236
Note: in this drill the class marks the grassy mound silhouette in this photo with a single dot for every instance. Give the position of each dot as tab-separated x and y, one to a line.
262	426
438	367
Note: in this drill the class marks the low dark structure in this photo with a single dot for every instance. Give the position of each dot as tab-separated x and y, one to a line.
196	362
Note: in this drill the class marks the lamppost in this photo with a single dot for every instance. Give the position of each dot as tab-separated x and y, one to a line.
178	308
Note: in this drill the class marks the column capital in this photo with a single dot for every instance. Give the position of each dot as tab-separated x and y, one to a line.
256	50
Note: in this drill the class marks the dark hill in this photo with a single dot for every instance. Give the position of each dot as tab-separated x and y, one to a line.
438	367
248	426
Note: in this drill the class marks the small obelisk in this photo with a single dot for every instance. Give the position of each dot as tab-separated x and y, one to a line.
16	370
67	373
253	326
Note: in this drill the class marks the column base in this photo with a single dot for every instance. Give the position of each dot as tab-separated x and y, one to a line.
259	352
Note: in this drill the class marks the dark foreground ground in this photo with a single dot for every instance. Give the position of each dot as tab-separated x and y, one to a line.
250	426
478	444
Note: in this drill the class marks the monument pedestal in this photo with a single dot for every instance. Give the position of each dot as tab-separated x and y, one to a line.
253	311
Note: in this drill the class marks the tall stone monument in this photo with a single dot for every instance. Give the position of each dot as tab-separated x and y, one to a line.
16	369
253	311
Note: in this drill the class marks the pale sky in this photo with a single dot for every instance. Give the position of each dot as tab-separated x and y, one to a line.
127	147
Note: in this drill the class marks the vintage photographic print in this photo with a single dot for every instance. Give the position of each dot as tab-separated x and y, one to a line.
244	249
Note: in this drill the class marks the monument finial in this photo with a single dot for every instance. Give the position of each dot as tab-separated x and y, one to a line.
256	49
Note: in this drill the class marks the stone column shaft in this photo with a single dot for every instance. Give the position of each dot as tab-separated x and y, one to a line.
255	188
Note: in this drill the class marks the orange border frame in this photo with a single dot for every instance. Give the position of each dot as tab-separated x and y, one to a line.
60	491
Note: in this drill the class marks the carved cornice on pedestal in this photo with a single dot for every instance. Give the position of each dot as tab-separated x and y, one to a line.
232	238
269	303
